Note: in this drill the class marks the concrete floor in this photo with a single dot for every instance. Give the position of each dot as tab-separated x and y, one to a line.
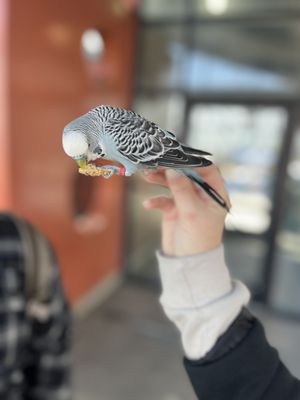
127	350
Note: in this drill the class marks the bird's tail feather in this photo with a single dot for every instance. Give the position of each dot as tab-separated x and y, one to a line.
191	174
195	152
190	161
176	158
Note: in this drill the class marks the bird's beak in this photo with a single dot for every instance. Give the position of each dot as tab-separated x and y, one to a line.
82	163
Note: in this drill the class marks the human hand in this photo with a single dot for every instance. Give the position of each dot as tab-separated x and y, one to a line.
191	221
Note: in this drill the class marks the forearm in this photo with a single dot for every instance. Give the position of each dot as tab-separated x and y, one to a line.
200	298
227	354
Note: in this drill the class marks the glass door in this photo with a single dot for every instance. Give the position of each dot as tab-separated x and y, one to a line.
246	141
285	288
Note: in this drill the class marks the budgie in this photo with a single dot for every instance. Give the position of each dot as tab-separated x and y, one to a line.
125	137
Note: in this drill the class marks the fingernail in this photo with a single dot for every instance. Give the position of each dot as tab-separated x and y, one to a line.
172	174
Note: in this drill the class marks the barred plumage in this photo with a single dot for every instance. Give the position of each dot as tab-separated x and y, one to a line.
120	135
126	137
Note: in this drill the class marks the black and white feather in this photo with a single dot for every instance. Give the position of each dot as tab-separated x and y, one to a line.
126	137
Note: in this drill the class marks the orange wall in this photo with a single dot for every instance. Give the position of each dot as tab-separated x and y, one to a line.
50	84
4	139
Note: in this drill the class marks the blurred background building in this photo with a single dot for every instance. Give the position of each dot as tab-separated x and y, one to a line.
225	76
221	74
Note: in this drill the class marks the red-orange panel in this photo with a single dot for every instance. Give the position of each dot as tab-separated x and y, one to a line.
49	85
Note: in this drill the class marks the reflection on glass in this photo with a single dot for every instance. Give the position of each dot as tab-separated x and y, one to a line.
221	57
158	67
216	7
245	142
156	9
92	44
144	231
285	293
245	257
165	110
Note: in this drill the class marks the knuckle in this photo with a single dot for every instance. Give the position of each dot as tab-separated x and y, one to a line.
179	184
189	216
180	191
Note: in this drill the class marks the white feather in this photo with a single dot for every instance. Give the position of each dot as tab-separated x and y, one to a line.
75	143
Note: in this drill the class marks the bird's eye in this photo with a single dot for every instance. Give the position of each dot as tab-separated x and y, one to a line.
98	150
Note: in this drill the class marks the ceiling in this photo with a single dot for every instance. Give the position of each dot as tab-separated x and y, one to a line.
261	34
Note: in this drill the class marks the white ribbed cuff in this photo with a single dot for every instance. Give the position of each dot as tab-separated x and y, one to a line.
201	328
193	281
200	299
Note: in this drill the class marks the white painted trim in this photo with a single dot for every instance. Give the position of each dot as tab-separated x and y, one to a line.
96	296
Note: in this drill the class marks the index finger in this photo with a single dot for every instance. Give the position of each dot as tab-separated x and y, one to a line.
183	191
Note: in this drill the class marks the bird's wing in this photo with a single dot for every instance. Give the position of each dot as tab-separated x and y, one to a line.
139	140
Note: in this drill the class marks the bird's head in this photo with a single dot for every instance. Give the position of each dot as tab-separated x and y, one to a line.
76	146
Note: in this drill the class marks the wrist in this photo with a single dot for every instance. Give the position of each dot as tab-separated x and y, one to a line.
191	250
192	242
205	245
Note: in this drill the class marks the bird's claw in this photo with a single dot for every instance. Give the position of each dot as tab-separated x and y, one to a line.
110	170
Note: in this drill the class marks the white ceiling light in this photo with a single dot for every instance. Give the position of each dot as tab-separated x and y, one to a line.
92	44
216	7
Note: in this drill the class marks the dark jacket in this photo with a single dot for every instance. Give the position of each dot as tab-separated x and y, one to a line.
242	366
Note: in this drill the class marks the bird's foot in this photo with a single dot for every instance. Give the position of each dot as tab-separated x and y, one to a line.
107	171
111	170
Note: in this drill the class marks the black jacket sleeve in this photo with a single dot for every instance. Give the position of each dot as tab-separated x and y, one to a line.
248	370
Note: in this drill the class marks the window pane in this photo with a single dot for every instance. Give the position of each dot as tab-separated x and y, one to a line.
158	67
249	56
285	291
253	56
240	8
156	9
142	243
245	142
165	110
